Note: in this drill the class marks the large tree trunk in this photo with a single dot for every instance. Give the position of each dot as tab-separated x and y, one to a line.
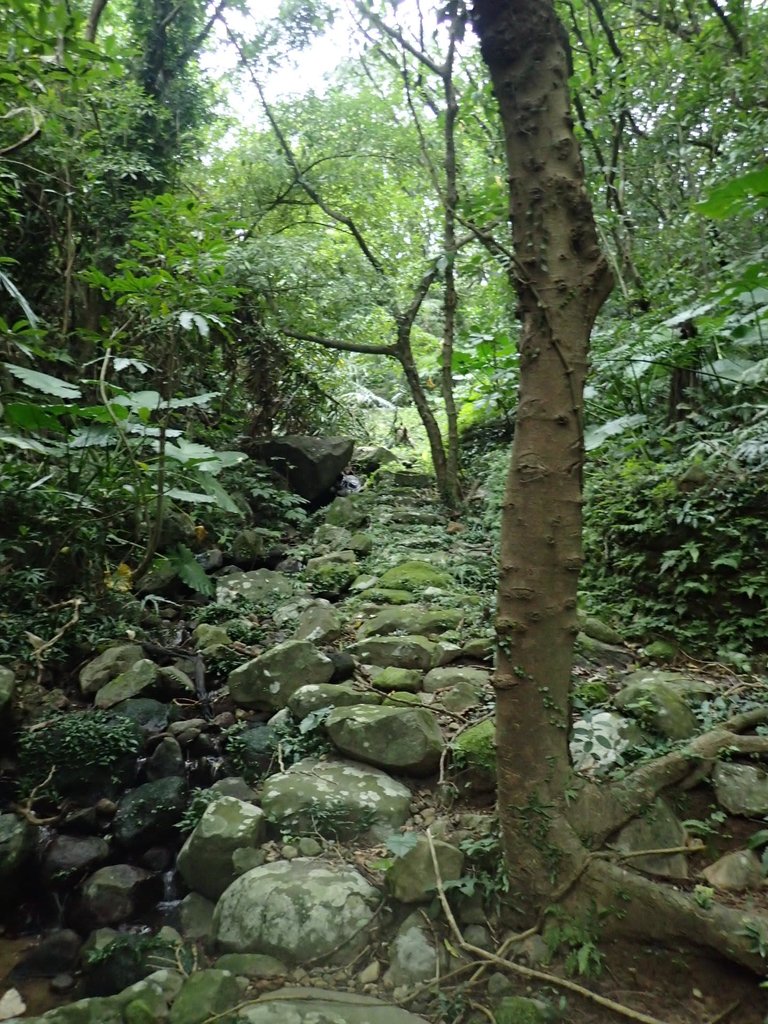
562	281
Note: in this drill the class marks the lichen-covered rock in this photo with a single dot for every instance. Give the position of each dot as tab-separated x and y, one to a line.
413	954
441	678
328	695
415	576
658	704
411	619
140	678
350	511
319	622
206	994
406	740
658	829
737	870
251	965
196	917
205	860
297	910
397	679
260	586
397	651
741	788
319	1006
266	683
412	879
107	666
311	789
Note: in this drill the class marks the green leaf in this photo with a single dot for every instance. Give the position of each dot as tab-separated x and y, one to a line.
758	839
191	572
598	435
43	382
34	417
737	195
193	497
224	500
188	320
401	843
27	444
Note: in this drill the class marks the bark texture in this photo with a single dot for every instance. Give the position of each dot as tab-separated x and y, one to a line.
562	279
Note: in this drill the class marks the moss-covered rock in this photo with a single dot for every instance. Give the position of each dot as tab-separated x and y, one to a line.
415	576
474	754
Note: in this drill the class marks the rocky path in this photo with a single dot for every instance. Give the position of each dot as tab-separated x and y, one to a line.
251	843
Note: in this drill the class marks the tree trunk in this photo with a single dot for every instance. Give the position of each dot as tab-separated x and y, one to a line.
562	281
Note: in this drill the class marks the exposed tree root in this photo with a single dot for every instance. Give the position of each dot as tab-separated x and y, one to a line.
601	809
643	908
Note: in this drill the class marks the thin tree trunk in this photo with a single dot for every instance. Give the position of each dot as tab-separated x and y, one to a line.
562	281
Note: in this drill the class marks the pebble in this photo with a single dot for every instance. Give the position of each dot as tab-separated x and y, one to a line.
289	852
370	974
62	984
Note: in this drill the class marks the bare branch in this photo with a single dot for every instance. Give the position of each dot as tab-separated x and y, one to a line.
94	17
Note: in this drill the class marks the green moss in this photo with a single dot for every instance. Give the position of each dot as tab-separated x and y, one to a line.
476	747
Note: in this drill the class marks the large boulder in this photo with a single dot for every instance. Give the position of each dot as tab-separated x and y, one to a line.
406	740
205	860
658	829
658	705
309	465
68	857
296	911
267	682
310	789
317	1006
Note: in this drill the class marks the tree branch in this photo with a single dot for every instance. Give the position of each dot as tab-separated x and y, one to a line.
366	348
94	17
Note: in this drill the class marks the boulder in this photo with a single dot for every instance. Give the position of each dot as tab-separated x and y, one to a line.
474	755
328	538
139	679
369	458
17	843
7	688
658	829
390	679
206	994
413	955
196	917
319	623
406	740
658	705
205	860
55	953
107	666
442	678
261	586
114	894
350	512
253	749
741	788
328	695
412	879
310	787
296	911
319	1006
397	652
415	576
411	619
166	760
68	857
146	1002
149	814
309	465
265	683
740	869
